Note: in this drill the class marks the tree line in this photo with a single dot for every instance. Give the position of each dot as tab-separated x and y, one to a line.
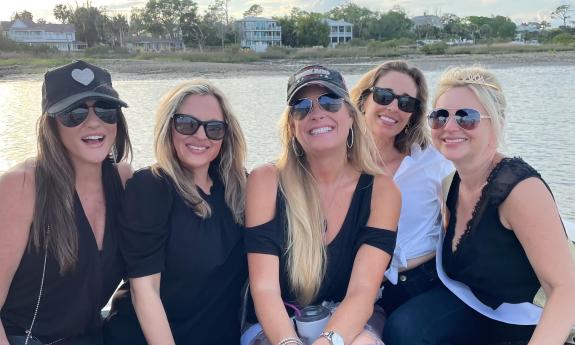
181	19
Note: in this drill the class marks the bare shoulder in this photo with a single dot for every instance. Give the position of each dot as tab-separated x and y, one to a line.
125	170
261	192
19	181
17	197
385	203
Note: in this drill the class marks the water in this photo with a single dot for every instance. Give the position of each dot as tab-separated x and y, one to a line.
540	127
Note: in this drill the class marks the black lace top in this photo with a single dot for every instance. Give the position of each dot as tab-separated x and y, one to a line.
489	258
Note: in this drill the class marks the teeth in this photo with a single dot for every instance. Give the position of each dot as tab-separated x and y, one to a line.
320	130
94	137
197	148
457	140
387	119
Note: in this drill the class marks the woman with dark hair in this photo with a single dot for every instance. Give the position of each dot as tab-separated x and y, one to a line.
322	219
181	225
59	256
393	98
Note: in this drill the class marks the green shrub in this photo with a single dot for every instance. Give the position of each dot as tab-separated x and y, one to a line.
437	48
564	39
276	53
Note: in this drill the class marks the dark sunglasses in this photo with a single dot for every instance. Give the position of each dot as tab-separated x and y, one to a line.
189	125
107	112
386	96
467	119
300	108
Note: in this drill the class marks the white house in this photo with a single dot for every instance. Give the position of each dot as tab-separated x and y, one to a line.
258	33
427	20
340	31
59	36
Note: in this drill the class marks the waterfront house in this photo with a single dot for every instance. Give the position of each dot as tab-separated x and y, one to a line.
426	20
258	33
154	44
340	31
59	36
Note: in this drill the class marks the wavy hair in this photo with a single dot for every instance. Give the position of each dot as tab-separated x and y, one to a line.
486	88
306	253
230	162
55	186
418	132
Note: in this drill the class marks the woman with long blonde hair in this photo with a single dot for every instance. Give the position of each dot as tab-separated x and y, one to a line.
322	219
182	227
60	259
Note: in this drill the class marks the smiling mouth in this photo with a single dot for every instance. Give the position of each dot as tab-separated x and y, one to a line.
321	130
196	148
93	139
454	140
387	120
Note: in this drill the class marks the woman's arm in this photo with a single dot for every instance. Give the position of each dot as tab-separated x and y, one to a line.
150	310
531	213
265	288
16	212
369	266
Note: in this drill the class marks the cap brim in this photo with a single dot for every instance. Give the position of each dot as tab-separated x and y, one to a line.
74	100
323	83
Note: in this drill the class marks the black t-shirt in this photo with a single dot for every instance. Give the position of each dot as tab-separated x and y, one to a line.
271	238
202	263
70	305
489	258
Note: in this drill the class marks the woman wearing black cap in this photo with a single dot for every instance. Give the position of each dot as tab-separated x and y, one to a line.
59	256
322	219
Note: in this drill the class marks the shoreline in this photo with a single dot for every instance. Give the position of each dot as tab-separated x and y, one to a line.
166	69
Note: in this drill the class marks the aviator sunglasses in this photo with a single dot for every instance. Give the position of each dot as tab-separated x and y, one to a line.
107	112
301	107
189	125
467	118
405	103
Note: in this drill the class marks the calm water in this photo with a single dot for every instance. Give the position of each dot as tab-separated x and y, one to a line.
540	128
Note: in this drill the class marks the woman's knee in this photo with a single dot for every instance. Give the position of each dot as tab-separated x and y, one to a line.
402	327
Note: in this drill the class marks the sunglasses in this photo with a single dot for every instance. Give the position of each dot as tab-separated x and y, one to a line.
107	112
467	119
189	125
300	108
405	103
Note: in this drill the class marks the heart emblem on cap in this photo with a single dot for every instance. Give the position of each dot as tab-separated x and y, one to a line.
83	76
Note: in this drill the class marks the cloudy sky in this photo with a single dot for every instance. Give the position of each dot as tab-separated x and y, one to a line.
523	10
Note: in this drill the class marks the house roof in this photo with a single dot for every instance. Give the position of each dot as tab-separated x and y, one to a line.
339	22
30	25
256	19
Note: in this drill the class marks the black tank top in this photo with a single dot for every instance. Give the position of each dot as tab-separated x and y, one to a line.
270	238
489	258
70	305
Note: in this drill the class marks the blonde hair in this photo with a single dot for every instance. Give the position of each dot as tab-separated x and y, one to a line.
306	251
230	162
418	131
486	88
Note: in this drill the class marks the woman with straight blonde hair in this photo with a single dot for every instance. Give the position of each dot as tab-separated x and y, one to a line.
60	259
182	228
322	219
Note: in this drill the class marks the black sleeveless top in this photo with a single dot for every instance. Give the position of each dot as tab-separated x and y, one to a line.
70	305
271	238
489	258
202	262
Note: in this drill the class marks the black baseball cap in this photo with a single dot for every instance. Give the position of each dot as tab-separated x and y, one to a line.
316	75
70	85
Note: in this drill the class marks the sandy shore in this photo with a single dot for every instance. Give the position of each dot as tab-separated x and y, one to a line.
145	69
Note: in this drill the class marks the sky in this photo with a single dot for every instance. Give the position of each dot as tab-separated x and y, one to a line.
518	11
